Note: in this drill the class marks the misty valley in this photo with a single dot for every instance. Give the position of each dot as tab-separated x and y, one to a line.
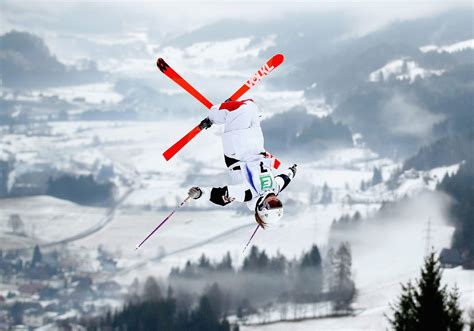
378	228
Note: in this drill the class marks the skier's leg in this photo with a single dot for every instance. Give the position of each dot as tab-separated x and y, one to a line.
235	173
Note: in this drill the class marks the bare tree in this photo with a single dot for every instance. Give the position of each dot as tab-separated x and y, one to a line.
283	309
15	223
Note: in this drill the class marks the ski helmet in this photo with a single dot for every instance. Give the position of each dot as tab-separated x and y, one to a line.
268	209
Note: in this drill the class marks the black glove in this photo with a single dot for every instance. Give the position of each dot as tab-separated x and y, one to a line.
195	192
228	100
293	169
205	123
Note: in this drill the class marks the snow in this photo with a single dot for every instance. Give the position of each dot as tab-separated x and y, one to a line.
4	156
452	48
413	182
383	258
46	219
134	148
198	55
92	93
396	68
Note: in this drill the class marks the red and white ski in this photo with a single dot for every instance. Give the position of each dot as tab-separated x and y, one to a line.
173	75
269	66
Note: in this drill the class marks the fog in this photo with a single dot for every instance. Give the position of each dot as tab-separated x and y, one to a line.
402	117
85	117
395	240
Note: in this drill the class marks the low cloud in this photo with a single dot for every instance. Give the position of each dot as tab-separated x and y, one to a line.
404	117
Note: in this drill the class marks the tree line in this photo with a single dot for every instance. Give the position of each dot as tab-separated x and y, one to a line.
202	294
461	187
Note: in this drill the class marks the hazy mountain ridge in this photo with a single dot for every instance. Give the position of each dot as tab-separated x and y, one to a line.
396	117
26	61
294	33
446	151
296	131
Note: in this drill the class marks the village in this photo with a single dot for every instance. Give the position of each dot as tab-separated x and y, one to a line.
55	286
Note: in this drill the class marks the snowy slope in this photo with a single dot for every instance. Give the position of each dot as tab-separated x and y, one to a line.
383	258
135	151
402	69
452	48
45	219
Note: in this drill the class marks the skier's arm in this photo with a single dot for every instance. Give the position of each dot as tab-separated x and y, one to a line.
222	195
217	115
285	178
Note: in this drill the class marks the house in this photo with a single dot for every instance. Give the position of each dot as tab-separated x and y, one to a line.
5	319
31	289
450	258
109	289
33	318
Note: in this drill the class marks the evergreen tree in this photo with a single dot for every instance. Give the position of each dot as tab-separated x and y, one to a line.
226	264
455	321
216	300
251	261
256	261
431	297
311	259
471	317
204	263
151	290
343	288
405	310
278	264
161	314
376	176
461	187
427	306
204	317
310	276
37	256
326	195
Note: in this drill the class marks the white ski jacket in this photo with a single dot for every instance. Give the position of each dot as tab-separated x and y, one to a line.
243	138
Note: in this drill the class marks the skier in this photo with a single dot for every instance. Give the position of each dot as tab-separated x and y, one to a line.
248	163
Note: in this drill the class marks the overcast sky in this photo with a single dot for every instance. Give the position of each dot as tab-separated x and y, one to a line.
113	17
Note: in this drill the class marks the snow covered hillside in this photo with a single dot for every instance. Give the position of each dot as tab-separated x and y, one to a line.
156	186
402	69
456	47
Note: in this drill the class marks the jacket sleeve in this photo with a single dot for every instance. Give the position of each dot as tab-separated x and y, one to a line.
216	115
225	195
284	179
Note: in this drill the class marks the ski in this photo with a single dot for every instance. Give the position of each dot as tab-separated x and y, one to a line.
162	222
173	75
268	67
173	150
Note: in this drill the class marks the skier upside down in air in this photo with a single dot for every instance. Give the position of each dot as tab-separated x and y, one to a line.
248	163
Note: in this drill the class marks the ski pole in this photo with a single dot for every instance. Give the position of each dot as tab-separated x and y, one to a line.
163	222
253	234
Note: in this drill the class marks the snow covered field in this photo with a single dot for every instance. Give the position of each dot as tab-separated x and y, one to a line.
45	219
402	69
382	257
456	47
